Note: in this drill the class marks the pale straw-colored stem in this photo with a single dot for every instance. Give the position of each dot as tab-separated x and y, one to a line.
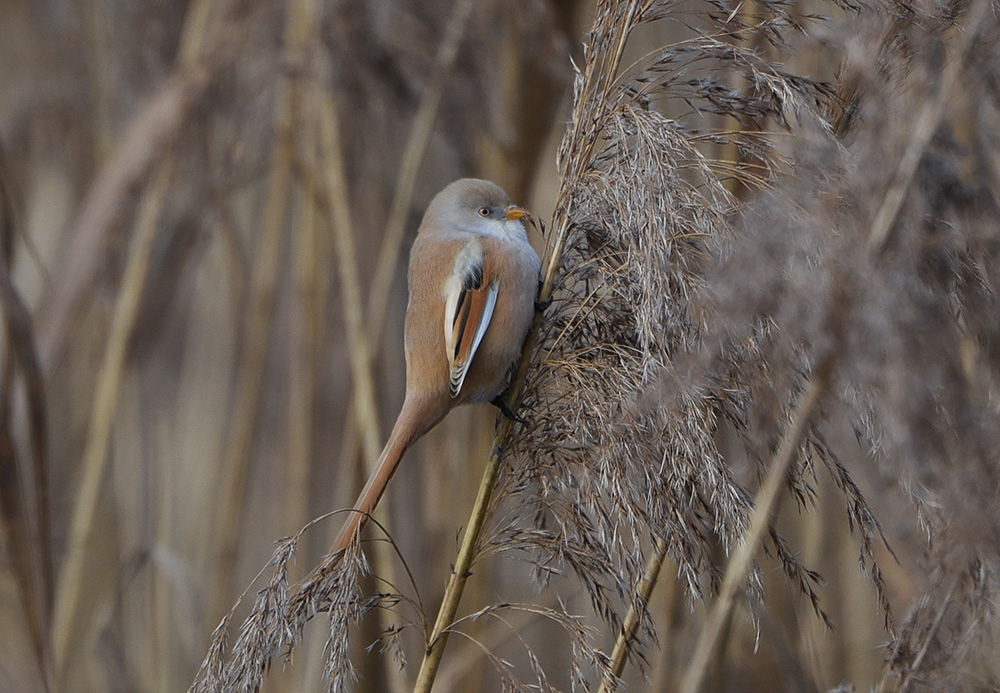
742	558
402	200
162	116
259	320
460	573
619	655
925	125
69	591
358	340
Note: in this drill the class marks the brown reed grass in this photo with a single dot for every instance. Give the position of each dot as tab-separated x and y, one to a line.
761	406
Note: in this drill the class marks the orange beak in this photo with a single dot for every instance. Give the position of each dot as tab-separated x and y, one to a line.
515	212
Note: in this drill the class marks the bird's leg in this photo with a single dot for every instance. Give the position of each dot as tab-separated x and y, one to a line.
500	403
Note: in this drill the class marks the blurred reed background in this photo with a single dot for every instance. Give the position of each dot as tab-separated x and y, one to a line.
774	235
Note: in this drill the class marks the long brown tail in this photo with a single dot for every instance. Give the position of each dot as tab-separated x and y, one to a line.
415	418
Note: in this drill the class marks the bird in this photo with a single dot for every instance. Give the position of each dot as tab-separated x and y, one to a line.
473	281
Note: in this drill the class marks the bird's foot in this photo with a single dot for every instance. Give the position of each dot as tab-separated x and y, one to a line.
540	305
501	404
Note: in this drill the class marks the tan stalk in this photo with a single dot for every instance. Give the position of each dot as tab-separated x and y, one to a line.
22	547
164	648
460	573
662	677
339	207
619	655
302	364
729	148
137	154
924	127
95	456
160	119
102	75
25	548
402	199
816	540
765	503
196	26
309	257
259	320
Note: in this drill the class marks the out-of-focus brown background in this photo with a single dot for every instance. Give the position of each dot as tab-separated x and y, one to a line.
200	120
172	172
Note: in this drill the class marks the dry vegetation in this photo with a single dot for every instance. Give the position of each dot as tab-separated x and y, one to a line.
761	449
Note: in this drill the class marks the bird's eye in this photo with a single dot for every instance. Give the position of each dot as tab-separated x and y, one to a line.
484	211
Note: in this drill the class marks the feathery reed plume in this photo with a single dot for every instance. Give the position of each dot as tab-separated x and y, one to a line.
894	272
278	615
924	383
622	452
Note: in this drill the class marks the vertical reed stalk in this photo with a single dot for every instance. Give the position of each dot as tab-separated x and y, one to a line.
309	318
338	204
663	676
302	364
165	494
358	337
924	126
619	654
102	74
70	586
766	502
15	525
25	547
461	571
259	320
402	198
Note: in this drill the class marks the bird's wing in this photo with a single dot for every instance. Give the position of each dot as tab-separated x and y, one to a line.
471	296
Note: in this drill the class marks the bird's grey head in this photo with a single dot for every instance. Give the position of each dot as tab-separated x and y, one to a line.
478	206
